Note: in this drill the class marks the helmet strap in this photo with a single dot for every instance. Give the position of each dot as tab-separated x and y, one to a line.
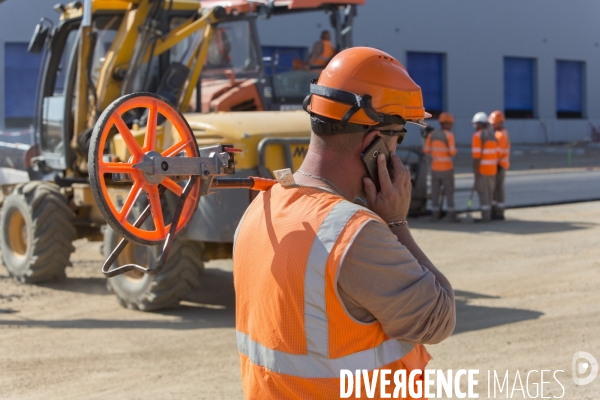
355	101
323	126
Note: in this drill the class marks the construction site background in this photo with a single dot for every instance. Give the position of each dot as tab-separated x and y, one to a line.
534	156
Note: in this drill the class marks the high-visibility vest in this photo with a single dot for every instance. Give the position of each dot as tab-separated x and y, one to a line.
485	148
440	144
504	146
294	334
326	55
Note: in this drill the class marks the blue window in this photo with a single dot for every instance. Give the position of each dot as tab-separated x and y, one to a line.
569	89
427	70
519	87
20	81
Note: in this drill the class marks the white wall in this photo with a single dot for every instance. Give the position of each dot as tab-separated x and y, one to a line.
476	36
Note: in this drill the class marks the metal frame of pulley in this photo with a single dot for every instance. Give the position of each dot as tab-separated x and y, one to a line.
204	168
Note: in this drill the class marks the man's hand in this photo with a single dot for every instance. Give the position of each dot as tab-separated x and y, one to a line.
393	202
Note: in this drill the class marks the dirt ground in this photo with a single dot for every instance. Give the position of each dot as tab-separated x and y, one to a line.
527	299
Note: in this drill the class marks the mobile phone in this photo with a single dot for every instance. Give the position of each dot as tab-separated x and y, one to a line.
369	159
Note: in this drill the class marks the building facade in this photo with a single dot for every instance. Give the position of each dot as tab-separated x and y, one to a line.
535	60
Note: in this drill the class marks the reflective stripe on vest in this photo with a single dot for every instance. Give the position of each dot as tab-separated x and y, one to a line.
440	148
315	366
315	318
488	162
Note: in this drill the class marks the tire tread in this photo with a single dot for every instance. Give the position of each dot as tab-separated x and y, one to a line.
53	231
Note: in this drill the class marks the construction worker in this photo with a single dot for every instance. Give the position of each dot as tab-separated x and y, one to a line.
440	144
219	50
497	121
485	163
322	51
324	284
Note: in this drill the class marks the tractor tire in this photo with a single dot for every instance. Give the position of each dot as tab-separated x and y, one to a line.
138	291
37	233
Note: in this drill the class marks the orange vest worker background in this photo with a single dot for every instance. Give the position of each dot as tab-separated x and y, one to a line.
324	284
498	201
486	154
322	51
440	145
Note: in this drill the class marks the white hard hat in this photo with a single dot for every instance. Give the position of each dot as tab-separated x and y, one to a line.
480	117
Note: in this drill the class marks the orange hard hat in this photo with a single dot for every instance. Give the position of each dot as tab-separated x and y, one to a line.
365	86
446	117
496	117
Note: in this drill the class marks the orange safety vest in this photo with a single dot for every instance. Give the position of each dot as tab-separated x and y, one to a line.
486	148
294	334
440	144
326	55
504	145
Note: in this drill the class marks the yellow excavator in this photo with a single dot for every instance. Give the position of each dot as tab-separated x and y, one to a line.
204	58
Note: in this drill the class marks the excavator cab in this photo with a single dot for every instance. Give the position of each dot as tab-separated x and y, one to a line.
290	84
70	95
231	79
55	101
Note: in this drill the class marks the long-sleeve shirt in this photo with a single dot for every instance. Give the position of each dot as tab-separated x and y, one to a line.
381	280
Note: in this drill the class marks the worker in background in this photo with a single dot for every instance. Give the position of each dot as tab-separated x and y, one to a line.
485	163
322	283
497	121
440	145
219	50
322	51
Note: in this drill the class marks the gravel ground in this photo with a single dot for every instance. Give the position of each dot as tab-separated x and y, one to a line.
527	299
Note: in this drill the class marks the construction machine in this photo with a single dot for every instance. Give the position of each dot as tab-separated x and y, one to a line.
199	56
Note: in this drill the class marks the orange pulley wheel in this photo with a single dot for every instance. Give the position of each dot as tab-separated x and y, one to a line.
143	188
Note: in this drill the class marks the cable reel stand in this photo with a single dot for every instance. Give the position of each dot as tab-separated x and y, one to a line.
184	169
